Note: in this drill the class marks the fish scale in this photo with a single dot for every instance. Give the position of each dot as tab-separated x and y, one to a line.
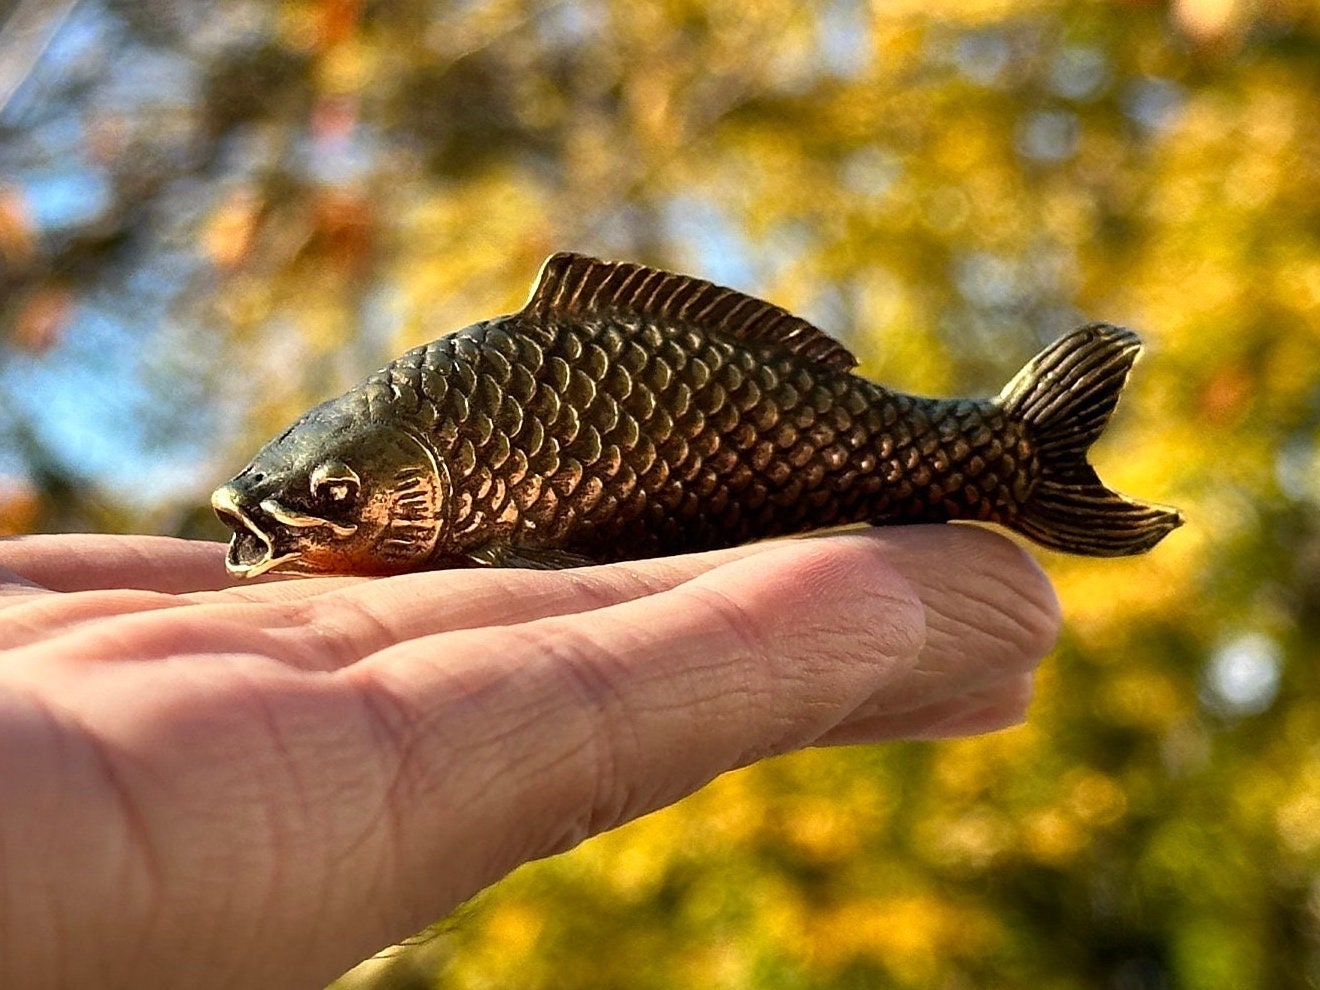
627	412
683	441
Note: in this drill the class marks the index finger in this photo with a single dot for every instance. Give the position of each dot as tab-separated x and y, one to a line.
92	561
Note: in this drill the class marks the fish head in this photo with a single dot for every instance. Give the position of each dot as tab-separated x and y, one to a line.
334	494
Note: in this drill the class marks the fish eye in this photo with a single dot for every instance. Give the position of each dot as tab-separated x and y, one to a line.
335	481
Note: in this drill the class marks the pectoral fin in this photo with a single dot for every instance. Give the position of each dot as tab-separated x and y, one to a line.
500	554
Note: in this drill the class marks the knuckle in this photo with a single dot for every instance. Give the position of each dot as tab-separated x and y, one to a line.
346	629
860	610
405	738
866	599
596	727
733	619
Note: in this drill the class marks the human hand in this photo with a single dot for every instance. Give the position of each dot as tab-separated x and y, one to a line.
260	785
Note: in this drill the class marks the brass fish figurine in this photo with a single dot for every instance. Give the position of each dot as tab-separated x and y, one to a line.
628	412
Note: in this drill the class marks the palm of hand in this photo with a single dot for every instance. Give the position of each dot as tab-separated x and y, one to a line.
260	785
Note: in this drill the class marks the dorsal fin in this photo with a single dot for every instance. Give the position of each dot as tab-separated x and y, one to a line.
579	285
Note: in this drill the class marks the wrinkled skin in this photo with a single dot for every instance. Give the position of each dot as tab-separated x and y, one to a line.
258	786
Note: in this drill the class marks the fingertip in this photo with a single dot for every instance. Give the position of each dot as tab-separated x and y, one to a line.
978	583
1039	618
1019	697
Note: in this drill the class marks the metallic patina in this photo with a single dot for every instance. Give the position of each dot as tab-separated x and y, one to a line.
628	412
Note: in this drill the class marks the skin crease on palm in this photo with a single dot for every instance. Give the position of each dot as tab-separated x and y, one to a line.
257	786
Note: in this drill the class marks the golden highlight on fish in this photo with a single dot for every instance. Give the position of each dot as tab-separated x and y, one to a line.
628	412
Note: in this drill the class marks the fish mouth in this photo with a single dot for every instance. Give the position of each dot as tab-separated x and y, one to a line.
251	549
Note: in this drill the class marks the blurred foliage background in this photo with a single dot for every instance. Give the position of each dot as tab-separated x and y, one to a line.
213	214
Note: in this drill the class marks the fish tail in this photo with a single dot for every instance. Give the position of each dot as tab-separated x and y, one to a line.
1065	396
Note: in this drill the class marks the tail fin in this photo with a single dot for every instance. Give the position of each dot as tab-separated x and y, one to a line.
1066	395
